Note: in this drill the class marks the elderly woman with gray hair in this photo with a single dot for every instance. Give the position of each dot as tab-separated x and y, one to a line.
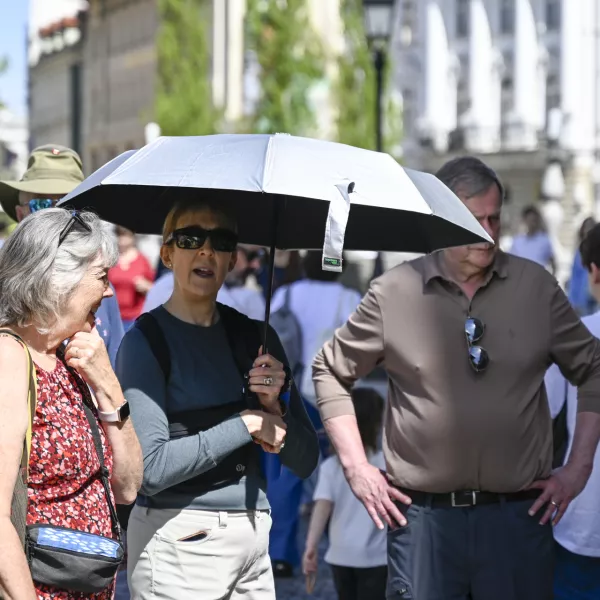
73	452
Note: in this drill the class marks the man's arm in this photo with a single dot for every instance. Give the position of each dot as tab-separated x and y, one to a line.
577	353
356	349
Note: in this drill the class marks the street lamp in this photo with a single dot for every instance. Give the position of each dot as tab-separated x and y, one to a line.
378	29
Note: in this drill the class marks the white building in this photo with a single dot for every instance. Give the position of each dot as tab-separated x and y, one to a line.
515	82
13	145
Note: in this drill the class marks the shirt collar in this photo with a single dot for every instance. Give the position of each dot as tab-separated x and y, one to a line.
433	267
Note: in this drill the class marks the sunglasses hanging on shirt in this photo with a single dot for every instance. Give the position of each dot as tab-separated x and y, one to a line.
478	356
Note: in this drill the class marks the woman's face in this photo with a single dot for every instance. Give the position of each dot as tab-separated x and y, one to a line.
80	313
199	273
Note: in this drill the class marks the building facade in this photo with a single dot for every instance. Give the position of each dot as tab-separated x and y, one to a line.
13	145
55	85
515	82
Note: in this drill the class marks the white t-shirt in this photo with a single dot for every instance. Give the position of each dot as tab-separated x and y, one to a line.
320	307
354	541
579	529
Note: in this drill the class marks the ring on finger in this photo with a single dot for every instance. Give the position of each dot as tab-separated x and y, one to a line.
554	503
268	381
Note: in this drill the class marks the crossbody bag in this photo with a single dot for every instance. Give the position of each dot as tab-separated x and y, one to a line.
74	560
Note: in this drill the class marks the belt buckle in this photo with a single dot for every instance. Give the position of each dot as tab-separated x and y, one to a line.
472	502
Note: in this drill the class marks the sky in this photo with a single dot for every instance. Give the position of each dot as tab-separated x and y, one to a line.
13	44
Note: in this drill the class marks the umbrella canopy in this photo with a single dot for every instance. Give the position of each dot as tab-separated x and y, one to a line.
285	191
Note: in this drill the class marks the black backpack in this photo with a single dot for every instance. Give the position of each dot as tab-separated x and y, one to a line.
244	337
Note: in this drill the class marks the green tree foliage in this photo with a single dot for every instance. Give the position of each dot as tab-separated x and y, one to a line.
291	61
354	91
184	104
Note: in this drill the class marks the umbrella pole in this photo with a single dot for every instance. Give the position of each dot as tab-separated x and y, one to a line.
271	276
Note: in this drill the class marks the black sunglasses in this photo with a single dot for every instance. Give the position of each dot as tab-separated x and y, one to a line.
478	356
74	220
194	238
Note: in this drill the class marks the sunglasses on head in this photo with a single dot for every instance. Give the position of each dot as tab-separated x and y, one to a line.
75	219
41	203
194	238
478	356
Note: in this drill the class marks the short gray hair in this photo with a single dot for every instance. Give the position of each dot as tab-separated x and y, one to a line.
37	277
469	176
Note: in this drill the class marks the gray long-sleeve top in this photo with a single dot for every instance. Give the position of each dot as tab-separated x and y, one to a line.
203	374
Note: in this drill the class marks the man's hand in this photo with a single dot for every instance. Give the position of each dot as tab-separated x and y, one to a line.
558	491
374	490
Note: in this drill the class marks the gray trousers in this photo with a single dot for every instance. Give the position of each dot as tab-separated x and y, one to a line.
486	552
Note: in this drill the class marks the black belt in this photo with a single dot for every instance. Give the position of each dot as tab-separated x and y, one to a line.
467	498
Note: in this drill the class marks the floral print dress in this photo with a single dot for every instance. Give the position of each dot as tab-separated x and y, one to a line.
64	488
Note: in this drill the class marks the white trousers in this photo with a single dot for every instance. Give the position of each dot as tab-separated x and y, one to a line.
181	554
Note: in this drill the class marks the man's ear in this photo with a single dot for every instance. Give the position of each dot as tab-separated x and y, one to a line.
166	253
20	212
234	257
595	271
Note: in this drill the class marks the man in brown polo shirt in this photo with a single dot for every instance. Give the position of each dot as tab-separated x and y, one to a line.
466	336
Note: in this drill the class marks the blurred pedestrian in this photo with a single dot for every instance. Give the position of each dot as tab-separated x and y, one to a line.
320	305
132	277
579	287
357	549
52	172
578	533
466	336
534	244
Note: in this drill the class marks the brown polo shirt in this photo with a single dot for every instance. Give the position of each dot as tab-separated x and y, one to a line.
448	428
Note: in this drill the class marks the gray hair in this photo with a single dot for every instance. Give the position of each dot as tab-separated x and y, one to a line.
37	276
469	176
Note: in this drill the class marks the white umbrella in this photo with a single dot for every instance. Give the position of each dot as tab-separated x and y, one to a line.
287	192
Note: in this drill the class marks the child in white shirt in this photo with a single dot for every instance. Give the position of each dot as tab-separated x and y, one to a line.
357	549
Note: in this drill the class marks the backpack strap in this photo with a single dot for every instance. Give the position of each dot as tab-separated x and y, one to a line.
31	398
243	335
155	337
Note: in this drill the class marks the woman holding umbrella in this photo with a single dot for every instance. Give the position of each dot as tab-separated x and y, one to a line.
201	523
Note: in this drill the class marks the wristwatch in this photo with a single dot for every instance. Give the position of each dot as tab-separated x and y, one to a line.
118	416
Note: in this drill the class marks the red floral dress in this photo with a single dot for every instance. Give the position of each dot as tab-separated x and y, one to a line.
63	487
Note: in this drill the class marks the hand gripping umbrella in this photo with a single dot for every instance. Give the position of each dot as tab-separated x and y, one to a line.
287	192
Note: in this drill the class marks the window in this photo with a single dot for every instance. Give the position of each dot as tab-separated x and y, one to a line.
553	15
507	16
506	104
462	18
553	96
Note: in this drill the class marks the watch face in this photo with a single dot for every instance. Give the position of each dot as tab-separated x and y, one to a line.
124	411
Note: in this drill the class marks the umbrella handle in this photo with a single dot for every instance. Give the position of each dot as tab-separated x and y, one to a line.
271	276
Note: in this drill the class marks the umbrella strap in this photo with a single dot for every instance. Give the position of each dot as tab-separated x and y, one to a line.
335	228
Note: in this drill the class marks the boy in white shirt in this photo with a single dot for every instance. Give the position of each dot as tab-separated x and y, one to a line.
357	550
577	571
